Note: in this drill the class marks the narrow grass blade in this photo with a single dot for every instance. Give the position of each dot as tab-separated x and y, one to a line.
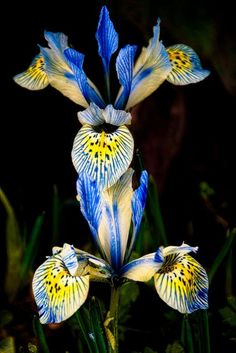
31	249
97	327
39	333
222	254
186	335
14	249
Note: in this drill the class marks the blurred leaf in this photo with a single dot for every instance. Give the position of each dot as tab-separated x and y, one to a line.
7	345
31	249
186	335
32	348
148	350
228	313
154	214
157	233
5	317
14	249
205	190
129	293
174	348
222	254
39	333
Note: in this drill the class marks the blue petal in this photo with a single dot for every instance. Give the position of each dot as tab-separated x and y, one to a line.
116	117
69	258
141	269
124	68
186	65
182	283
116	219
57	41
93	115
59	73
151	69
138	204
35	77
57	293
103	155
75	61
107	38
90	204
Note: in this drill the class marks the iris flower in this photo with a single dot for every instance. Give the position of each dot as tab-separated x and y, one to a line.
61	283
103	148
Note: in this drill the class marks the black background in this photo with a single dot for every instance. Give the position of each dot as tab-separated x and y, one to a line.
186	134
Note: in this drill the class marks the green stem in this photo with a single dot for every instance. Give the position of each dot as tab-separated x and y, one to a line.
114	309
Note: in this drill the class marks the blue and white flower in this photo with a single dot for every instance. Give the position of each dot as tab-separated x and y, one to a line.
62	68
61	283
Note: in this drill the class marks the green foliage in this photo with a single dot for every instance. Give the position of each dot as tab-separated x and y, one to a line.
228	314
88	320
14	249
129	293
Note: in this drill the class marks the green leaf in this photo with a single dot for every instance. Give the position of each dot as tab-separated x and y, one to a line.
96	324
14	249
39	333
31	249
129	293
186	335
222	254
154	215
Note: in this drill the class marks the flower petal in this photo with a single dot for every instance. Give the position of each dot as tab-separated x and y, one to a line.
138	204
186	65
113	230
58	294
151	69
103	156
116	117
90	204
182	283
182	249
35	77
142	269
107	38
92	115
124	68
59	73
90	92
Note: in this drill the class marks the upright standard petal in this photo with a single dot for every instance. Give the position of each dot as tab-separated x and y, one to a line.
104	156
90	204
151	69
58	71
186	65
90	92
182	283
35	77
113	230
124	69
59	294
107	38
138	205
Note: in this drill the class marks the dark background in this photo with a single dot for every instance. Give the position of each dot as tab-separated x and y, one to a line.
185	134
